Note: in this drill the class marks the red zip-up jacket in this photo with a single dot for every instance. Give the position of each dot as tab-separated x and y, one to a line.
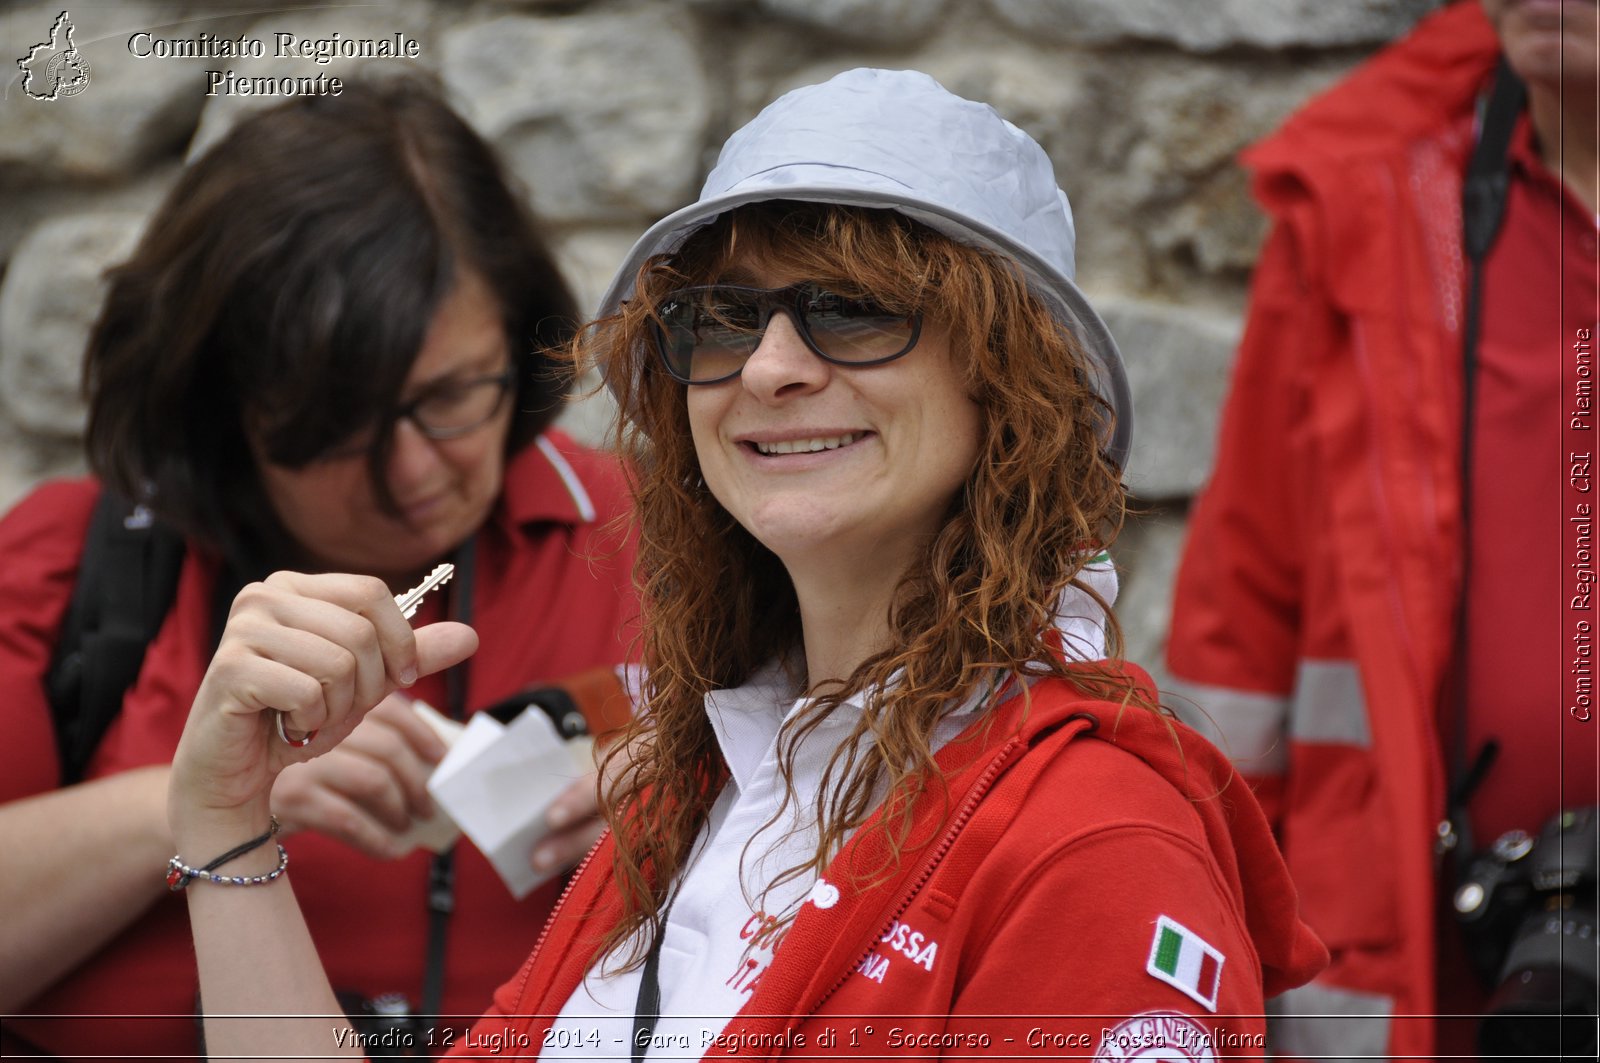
1315	604
1035	917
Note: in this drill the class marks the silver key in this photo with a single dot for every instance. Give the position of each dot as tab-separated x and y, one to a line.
412	598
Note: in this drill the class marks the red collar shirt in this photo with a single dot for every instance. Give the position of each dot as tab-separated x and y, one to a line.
1540	294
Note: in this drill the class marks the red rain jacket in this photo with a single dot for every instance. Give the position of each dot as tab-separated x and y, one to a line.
1315	603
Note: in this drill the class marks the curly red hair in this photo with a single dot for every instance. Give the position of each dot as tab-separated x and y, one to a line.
1040	502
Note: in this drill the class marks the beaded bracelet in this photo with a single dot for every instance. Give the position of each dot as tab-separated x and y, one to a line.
179	874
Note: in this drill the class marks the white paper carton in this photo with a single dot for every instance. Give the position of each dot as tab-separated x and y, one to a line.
498	781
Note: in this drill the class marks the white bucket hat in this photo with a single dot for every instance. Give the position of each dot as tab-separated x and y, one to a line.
897	139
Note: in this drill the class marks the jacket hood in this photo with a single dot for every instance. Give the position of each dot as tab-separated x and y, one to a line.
1437	69
1334	172
1239	836
1020	738
897	139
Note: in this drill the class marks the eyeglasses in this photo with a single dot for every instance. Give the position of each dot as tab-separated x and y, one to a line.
705	335
448	410
456	407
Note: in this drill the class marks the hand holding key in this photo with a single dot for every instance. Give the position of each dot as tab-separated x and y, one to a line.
408	603
319	652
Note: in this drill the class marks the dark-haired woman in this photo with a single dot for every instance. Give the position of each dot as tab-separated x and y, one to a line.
334	361
890	792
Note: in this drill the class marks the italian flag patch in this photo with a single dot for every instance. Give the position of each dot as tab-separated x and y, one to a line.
1182	959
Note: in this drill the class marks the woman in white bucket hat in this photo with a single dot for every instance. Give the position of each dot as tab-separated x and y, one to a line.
890	790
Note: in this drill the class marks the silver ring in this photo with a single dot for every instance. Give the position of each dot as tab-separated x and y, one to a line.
293	743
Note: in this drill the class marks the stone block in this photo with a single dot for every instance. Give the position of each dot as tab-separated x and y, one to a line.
30	205
1147	555
48	303
589	259
1212	25
1198	113
1167	203
1216	228
412	18
603	115
1178	359
894	22
128	112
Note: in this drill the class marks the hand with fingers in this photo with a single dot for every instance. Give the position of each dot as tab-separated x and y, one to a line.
371	789
575	818
321	649
575	825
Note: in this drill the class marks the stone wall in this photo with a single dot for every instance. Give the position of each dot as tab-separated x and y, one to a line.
611	111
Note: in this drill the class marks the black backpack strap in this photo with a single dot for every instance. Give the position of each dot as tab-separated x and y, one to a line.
127	578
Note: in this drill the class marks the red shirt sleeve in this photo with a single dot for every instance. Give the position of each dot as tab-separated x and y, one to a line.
41	541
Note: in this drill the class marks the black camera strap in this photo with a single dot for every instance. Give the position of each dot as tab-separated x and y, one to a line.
442	872
1483	204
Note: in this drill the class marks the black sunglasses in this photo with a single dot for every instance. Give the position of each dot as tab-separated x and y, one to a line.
705	335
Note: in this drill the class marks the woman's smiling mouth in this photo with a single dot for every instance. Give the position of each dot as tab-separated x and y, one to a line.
809	445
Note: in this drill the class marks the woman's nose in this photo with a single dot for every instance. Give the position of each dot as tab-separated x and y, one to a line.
782	364
413	458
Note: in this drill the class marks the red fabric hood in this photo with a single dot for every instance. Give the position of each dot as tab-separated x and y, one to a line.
1240	837
1343	156
1389	101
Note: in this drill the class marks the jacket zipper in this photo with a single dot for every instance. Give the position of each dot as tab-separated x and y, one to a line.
977	794
572	882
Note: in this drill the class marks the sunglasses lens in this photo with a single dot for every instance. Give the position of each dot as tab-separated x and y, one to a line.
855	330
707	333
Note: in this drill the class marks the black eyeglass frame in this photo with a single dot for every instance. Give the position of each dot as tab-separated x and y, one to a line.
791	301
506	379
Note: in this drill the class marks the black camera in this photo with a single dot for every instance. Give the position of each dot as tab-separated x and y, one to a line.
384	1025
1527	910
